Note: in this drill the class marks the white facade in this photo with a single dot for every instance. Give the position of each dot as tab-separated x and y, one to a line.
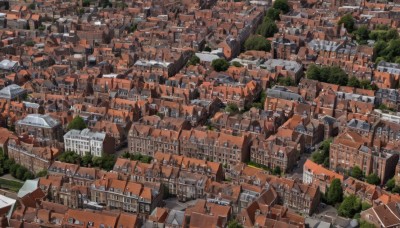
307	176
85	141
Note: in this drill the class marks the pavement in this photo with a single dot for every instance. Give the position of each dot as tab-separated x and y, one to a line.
9	177
173	203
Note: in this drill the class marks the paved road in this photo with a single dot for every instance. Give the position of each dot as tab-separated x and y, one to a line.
9	177
9	194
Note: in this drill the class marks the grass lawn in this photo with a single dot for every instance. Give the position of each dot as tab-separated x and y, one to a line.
10	185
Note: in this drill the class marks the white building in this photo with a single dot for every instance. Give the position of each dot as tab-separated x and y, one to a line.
86	141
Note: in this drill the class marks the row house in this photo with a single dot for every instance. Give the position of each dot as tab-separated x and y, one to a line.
31	156
218	147
265	210
125	195
240	95
295	195
267	153
146	140
350	149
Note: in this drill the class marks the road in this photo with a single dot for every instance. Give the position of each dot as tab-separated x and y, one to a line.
9	177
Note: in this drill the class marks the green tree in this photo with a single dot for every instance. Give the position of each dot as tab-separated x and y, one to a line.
286	81
391	34
362	34
336	75
42	173
356	172
273	14
194	60
13	169
87	159
350	206
236	64
30	43
268	28
19	174
373	179
32	6
126	155
364	224
232	108
330	74
313	72
207	49
354	82
106	162
277	170
257	43
365	206
28	175
335	192
220	64
390	184
281	5
105	3
86	3
77	123
234	224
348	22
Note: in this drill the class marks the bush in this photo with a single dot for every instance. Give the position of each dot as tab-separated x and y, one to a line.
220	65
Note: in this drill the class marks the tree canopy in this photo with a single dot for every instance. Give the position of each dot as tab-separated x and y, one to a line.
321	156
194	60
348	22
273	14
335	192
268	28
281	5
220	64
257	43
373	179
232	108
350	206
356	172
329	74
234	224
390	184
77	123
